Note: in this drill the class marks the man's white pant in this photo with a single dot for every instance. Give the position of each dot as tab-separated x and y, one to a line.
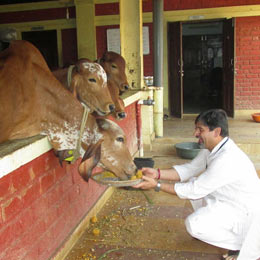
250	249
217	224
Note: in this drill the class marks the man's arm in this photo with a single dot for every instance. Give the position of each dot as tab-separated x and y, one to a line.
168	187
166	174
169	174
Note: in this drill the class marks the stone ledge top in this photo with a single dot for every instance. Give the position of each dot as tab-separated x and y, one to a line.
14	154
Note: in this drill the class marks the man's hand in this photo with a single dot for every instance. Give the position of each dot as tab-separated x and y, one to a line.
150	172
147	183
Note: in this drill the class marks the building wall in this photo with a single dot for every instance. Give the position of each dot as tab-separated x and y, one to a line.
101	34
247	87
36	15
69	46
189	4
113	8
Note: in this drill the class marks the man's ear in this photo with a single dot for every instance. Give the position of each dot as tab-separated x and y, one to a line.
217	131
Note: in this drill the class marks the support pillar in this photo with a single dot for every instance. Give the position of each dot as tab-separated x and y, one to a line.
158	66
158	112
131	37
86	31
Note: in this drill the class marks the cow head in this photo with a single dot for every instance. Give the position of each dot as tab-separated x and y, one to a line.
112	152
89	85
114	65
119	112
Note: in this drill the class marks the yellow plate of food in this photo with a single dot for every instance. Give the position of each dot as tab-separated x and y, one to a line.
108	178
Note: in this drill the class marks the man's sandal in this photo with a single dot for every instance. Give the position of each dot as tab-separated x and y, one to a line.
231	255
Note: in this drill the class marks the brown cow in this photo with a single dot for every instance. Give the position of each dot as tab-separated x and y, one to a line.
32	102
87	80
114	65
119	112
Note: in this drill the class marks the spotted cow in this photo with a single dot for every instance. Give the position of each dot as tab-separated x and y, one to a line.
87	80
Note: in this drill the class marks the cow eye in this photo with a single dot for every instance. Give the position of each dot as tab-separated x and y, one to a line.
120	139
92	80
114	66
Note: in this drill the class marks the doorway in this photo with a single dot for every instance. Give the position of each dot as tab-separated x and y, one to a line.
200	58
46	42
203	65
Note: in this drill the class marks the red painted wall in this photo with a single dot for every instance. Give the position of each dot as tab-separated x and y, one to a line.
148	59
113	8
107	9
191	4
101	38
41	202
36	15
69	46
247	88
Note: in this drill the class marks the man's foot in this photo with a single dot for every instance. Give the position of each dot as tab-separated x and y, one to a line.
231	255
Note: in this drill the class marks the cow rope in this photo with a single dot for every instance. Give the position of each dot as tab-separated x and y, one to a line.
82	127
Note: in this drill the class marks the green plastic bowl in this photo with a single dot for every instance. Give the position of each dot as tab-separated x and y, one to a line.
187	150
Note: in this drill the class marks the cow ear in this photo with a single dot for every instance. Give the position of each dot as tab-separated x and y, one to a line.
90	160
103	123
74	84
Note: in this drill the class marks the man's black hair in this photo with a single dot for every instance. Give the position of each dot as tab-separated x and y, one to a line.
214	118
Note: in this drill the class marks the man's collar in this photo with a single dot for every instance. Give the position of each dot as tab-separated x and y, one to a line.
218	146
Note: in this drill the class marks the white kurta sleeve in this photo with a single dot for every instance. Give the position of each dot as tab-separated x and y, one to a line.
193	168
220	172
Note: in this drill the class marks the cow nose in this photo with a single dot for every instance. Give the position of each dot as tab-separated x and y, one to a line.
111	107
121	115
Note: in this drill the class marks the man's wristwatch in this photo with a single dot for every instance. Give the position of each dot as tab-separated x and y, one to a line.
158	186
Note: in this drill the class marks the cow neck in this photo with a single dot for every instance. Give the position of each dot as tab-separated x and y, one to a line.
84	116
64	115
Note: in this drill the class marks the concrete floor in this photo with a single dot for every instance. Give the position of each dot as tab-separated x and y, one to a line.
137	224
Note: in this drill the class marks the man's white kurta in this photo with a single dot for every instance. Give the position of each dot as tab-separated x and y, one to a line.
225	185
